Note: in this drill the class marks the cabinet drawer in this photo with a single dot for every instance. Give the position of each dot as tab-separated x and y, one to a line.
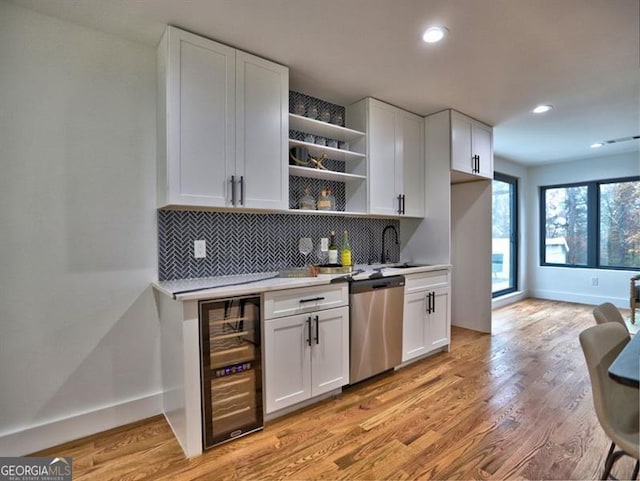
426	280
289	302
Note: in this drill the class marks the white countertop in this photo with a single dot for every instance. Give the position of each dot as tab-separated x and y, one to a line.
240	285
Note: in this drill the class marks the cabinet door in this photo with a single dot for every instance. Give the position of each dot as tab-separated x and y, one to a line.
287	363
414	325
438	321
412	129
329	350
262	130
200	120
461	156
383	164
482	142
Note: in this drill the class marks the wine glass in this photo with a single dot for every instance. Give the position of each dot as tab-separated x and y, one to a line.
305	247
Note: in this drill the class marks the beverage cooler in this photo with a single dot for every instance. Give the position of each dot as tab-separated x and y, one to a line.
230	368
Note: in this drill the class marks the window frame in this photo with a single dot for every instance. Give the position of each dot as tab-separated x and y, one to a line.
593	223
515	234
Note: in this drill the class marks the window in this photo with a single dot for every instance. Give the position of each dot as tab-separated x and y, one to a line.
592	224
619	225
504	254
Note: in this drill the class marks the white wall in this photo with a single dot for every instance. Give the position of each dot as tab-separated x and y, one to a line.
520	172
79	337
471	255
570	284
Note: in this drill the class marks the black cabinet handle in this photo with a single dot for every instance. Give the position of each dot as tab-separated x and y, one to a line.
313	299
400	204
308	323
317	339
404	198
431	303
233	190
242	190
475	165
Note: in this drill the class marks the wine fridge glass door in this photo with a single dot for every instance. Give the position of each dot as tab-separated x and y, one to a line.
231	373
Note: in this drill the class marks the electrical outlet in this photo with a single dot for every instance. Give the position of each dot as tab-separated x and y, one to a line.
594	281
324	244
200	249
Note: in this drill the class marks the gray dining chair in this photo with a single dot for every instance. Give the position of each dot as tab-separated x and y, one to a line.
617	406
607	312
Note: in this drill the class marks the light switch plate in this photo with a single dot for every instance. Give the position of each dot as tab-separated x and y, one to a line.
200	249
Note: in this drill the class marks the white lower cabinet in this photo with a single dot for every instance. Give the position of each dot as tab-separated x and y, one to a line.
427	314
306	354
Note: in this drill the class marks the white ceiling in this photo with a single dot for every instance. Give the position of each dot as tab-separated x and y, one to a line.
502	58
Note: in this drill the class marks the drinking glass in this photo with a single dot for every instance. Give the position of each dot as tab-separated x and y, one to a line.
305	247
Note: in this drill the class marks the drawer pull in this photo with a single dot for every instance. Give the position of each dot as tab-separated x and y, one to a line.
313	299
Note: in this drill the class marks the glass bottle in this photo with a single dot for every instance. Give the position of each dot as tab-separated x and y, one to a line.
333	248
332	200
345	253
307	202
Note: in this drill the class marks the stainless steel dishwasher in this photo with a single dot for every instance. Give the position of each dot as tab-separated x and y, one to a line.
375	312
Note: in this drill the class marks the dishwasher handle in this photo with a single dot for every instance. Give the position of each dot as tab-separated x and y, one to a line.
367	285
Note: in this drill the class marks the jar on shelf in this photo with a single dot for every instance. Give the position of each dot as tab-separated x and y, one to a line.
312	111
324	201
299	108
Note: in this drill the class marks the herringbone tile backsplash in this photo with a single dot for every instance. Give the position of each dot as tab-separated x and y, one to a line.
239	243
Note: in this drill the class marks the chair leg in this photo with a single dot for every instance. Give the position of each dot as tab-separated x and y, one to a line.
635	470
607	462
612	457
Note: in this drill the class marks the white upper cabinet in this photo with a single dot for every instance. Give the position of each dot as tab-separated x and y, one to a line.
262	132
413	164
385	167
222	126
471	146
395	152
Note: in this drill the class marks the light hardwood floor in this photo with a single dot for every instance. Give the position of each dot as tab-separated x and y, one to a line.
512	405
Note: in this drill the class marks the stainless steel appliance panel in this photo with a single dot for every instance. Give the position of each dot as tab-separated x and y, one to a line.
375	312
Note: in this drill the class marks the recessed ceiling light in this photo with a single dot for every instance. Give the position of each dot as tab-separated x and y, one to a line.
434	34
541	109
596	145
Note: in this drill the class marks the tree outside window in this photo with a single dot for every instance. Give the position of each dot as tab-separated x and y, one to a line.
566	225
620	224
595	224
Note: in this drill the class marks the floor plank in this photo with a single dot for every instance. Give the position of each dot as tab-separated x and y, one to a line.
512	405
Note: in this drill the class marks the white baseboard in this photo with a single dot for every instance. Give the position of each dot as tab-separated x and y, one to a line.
579	298
37	438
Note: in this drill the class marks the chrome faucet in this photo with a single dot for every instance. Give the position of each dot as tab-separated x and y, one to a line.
385	257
